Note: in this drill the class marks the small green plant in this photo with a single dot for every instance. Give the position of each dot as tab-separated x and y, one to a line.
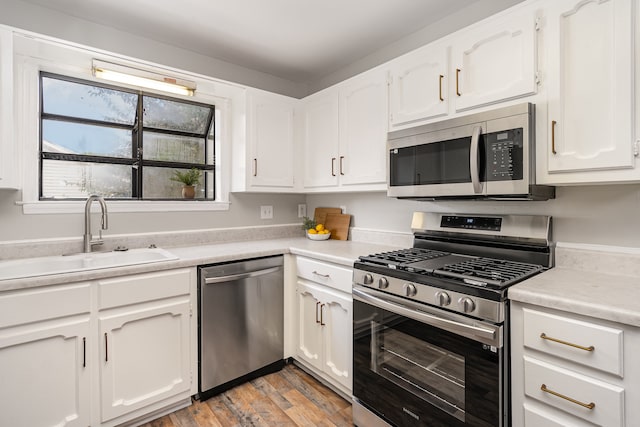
308	223
191	177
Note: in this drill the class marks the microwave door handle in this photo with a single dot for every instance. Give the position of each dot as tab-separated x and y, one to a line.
474	160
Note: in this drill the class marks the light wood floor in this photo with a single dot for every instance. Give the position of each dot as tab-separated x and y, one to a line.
286	398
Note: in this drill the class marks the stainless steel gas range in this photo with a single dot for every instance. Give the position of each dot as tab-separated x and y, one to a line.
431	323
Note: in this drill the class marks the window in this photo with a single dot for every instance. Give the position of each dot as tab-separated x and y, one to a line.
120	143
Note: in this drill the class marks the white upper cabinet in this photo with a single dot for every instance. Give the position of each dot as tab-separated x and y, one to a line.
363	129
345	134
591	98
8	174
418	86
270	133
321	139
494	61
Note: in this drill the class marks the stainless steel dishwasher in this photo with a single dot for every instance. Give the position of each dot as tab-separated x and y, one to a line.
241	322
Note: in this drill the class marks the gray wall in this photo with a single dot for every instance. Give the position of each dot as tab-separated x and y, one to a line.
603	215
244	211
49	22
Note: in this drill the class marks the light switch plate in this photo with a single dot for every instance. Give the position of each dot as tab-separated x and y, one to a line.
266	212
302	210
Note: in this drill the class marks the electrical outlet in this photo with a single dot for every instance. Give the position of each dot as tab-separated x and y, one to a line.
344	209
302	210
266	212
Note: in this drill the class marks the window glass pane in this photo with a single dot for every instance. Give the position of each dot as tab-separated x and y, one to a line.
157	184
173	148
67	137
66	180
87	101
174	115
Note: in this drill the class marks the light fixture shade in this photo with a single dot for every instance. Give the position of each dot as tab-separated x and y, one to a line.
143	78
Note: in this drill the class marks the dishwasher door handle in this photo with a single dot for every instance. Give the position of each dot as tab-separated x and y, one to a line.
232	277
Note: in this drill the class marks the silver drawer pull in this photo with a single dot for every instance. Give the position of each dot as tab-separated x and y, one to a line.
326	276
545	337
591	405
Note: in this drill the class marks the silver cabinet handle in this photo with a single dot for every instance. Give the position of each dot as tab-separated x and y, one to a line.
473	160
326	276
476	333
232	277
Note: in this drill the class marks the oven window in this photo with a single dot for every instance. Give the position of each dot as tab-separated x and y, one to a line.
425	370
411	373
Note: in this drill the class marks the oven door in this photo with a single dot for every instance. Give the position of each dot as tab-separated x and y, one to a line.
417	365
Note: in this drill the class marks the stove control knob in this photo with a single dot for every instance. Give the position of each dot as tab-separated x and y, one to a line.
383	283
367	279
443	299
409	289
466	304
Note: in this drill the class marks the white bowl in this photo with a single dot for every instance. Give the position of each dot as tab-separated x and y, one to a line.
319	236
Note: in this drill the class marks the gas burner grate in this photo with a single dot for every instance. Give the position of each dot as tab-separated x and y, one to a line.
403	256
488	271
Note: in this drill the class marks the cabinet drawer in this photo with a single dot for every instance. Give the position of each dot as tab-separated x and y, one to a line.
331	275
125	290
33	305
608	400
607	343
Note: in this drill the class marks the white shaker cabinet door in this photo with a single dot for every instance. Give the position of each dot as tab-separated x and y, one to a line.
337	320
590	85
45	377
8	173
363	129
418	86
144	356
320	127
310	342
271	126
495	62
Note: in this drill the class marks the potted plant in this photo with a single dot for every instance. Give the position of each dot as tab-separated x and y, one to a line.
189	180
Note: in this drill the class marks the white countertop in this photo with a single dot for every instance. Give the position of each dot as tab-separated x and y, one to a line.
336	251
580	285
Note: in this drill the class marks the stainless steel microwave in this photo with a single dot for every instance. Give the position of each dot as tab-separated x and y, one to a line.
488	155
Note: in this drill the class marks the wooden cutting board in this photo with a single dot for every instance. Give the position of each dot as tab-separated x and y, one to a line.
320	214
338	224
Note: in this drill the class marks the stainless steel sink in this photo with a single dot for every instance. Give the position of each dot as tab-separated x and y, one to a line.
32	267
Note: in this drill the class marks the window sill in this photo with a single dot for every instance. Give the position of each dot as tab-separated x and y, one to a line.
65	207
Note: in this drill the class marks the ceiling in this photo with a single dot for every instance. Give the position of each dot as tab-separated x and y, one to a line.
297	40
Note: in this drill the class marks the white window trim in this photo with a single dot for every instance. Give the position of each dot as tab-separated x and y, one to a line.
74	60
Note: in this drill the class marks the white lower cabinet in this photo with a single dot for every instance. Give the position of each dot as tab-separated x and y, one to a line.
325	336
97	353
44	375
146	357
570	370
45	362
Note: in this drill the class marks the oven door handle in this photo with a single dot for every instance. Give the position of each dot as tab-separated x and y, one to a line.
476	333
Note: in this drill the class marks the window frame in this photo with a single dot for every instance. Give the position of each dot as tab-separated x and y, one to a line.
136	161
35	52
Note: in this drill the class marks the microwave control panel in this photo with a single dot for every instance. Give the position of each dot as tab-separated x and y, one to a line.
504	155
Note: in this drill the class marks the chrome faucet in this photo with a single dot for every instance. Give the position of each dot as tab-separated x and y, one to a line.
88	240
